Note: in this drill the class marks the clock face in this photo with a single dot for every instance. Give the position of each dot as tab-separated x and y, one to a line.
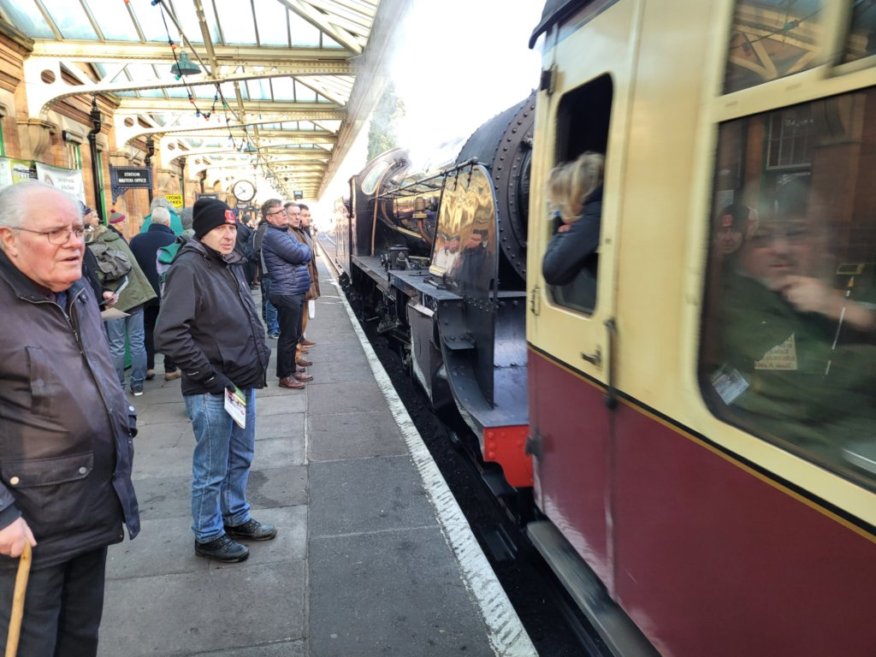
243	190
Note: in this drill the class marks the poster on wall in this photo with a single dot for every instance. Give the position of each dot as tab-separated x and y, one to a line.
14	171
68	180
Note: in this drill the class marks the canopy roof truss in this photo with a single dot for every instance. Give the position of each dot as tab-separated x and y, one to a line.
278	77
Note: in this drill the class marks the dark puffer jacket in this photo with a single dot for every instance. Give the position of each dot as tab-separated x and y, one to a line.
208	321
65	424
287	261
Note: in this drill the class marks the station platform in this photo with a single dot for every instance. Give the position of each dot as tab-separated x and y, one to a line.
373	556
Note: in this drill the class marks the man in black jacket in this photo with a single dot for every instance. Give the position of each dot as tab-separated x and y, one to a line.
145	249
209	326
65	429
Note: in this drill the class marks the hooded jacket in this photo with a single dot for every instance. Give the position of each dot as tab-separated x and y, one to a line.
66	427
208	322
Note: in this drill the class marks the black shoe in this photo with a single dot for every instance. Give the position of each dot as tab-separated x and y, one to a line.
252	530
222	549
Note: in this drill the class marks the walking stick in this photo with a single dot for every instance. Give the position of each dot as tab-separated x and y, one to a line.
18	602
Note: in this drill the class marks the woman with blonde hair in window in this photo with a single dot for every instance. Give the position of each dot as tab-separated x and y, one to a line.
571	260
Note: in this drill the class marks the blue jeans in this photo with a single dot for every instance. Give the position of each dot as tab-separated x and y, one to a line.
269	310
220	464
132	328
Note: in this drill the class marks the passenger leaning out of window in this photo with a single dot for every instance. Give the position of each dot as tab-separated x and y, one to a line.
571	258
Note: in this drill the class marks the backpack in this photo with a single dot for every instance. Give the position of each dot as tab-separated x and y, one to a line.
112	264
164	259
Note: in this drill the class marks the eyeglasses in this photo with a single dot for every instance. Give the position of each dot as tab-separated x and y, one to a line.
271	214
793	234
57	236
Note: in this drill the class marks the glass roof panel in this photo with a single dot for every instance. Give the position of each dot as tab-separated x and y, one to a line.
151	93
116	25
188	19
259	89
27	18
150	19
304	35
284	88
238	27
304	94
145	72
271	17
177	92
70	18
204	91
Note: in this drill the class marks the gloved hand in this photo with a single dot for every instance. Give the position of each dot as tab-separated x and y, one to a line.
218	384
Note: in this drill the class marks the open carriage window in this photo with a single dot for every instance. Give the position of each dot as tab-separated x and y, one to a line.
789	326
575	189
771	39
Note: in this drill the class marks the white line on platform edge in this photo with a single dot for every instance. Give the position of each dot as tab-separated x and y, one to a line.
507	636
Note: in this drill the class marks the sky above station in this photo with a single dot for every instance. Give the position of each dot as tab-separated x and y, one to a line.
456	64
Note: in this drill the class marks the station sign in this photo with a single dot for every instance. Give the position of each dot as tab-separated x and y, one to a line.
131	177
176	200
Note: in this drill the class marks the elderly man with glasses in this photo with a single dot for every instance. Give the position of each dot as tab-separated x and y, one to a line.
65	429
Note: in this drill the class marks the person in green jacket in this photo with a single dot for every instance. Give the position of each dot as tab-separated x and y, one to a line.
131	291
798	355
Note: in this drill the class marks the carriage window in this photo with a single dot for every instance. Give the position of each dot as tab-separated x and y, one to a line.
771	39
789	325
861	41
571	260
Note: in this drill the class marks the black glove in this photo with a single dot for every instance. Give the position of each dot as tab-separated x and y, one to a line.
218	384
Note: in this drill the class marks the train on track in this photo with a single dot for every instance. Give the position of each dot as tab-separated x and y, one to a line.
700	440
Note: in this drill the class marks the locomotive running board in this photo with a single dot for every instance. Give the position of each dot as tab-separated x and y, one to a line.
617	631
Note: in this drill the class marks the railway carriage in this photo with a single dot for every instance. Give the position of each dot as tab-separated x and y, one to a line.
701	440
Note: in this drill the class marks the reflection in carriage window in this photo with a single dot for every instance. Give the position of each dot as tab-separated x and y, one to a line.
861	39
789	327
771	39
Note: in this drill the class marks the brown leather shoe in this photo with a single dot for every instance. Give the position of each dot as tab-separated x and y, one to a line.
303	363
290	382
304	342
304	378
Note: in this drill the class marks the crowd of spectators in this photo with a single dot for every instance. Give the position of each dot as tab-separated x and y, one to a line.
81	298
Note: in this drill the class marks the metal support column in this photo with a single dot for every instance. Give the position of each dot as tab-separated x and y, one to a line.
95	164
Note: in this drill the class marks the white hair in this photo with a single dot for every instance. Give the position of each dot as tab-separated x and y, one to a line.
160	202
161	216
14	200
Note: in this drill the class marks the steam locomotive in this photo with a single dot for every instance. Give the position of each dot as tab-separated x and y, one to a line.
701	441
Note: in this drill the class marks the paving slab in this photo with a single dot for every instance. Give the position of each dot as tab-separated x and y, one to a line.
217	608
390	594
353	435
344	397
352	496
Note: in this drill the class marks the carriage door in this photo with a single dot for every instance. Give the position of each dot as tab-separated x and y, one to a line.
569	326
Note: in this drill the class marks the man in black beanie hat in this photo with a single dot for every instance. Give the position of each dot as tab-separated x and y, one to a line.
209	326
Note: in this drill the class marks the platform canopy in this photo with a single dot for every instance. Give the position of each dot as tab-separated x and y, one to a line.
280	88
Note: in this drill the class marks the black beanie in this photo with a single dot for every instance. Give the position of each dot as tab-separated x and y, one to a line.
210	213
